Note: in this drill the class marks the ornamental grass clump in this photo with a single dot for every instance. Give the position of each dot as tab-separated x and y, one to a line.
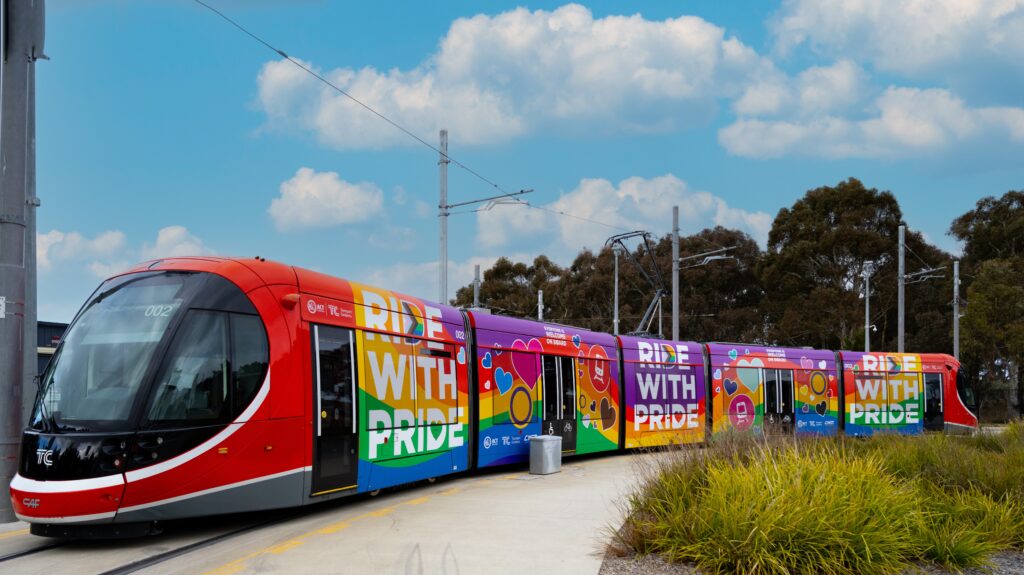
784	511
832	505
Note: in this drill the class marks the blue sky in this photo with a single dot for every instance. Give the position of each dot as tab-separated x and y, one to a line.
164	131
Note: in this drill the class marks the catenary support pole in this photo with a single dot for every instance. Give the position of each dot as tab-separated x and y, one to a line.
867	307
540	305
21	43
615	311
476	286
442	214
675	273
900	295
956	309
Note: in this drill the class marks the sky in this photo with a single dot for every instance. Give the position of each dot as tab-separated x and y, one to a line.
163	130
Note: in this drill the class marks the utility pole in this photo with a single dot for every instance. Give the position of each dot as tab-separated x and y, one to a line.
615	313
867	305
442	213
476	286
900	296
956	309
21	44
540	305
675	273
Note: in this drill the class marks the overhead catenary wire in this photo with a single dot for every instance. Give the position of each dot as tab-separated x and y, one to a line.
396	125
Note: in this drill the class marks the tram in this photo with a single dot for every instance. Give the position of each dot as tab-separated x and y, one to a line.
196	386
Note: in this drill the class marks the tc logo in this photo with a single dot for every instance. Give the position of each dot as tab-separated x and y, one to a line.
30	503
44	456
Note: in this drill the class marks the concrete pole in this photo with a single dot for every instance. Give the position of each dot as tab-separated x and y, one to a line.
867	308
476	285
675	273
956	309
900	296
21	42
442	207
540	305
615	312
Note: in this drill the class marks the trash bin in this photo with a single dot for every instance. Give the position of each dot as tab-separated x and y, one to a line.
545	454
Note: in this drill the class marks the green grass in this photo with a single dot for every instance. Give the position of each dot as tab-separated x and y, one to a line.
832	506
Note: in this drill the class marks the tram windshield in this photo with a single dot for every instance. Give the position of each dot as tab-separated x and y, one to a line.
963	387
94	378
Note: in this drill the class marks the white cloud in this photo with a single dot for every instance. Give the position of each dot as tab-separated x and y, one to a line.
635	204
817	90
56	246
313	199
109	252
174	241
904	122
499	77
918	38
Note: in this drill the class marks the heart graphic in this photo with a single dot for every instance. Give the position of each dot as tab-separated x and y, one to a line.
804	408
821	408
730	386
527	365
749	374
504	380
461	357
576	340
607	414
822	364
593	405
718	374
485	362
806	363
497	349
733	354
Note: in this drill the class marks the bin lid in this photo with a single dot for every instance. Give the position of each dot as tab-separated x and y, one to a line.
546	438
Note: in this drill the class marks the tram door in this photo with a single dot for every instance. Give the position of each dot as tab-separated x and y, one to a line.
933	420
560	399
335	456
778	409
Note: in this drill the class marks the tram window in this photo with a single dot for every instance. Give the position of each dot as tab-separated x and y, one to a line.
786	391
965	391
568	369
337	376
550	386
249	358
771	390
193	382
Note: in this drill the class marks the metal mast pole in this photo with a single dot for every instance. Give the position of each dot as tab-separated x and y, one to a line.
21	44
675	273
615	313
540	305
867	307
902	279
956	309
476	286
443	216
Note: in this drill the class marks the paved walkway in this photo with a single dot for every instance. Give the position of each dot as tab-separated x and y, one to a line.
510	522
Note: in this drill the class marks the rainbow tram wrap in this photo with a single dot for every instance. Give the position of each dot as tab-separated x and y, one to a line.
196	386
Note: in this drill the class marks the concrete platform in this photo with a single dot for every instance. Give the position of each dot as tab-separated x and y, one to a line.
510	522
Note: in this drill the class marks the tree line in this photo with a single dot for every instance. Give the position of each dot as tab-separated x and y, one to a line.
806	288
